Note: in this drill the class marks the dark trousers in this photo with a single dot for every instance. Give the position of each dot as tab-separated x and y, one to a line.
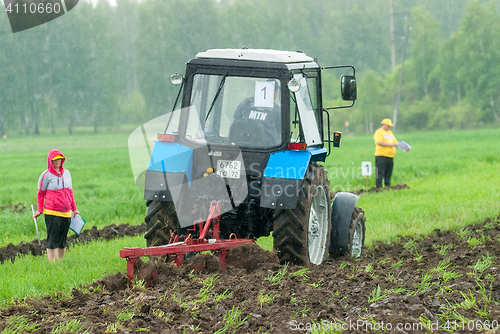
57	231
383	170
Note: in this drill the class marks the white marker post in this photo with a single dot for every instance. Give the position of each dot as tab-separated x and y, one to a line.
366	170
36	226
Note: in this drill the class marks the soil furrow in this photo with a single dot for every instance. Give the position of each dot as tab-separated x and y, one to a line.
448	281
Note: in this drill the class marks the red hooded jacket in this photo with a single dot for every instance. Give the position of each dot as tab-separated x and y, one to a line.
55	191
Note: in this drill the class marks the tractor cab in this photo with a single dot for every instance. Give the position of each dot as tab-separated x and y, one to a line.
256	100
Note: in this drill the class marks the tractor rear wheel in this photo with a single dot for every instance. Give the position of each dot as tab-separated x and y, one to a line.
302	235
357	229
161	220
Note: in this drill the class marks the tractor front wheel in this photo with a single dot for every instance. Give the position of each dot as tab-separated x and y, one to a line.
161	220
302	235
357	229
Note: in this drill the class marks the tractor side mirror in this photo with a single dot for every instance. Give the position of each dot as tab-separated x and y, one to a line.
348	88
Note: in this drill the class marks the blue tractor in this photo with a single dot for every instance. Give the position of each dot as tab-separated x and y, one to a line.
249	131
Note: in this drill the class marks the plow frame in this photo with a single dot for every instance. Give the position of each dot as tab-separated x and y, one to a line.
190	245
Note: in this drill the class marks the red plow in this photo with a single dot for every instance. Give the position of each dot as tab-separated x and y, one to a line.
208	240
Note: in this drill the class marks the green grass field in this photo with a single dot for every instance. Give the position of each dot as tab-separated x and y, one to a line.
104	187
33	276
453	179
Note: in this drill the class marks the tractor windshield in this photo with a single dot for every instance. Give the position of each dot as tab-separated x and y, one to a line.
235	110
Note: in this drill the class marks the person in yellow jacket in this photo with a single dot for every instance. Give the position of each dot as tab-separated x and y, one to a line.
385	149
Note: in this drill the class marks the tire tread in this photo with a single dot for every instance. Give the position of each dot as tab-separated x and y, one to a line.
290	230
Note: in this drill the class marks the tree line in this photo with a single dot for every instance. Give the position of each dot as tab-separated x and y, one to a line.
103	66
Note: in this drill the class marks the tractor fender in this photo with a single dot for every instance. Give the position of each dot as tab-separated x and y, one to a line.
170	166
283	177
342	208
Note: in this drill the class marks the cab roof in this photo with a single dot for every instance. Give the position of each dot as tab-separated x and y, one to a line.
274	56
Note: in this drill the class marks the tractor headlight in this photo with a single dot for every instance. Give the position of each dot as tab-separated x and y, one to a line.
176	79
294	85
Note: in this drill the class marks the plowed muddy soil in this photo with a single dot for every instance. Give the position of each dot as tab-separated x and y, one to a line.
11	251
377	190
444	282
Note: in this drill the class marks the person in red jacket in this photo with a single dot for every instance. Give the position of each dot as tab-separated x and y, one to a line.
55	199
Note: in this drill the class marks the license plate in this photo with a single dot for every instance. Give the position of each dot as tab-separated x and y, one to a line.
229	168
